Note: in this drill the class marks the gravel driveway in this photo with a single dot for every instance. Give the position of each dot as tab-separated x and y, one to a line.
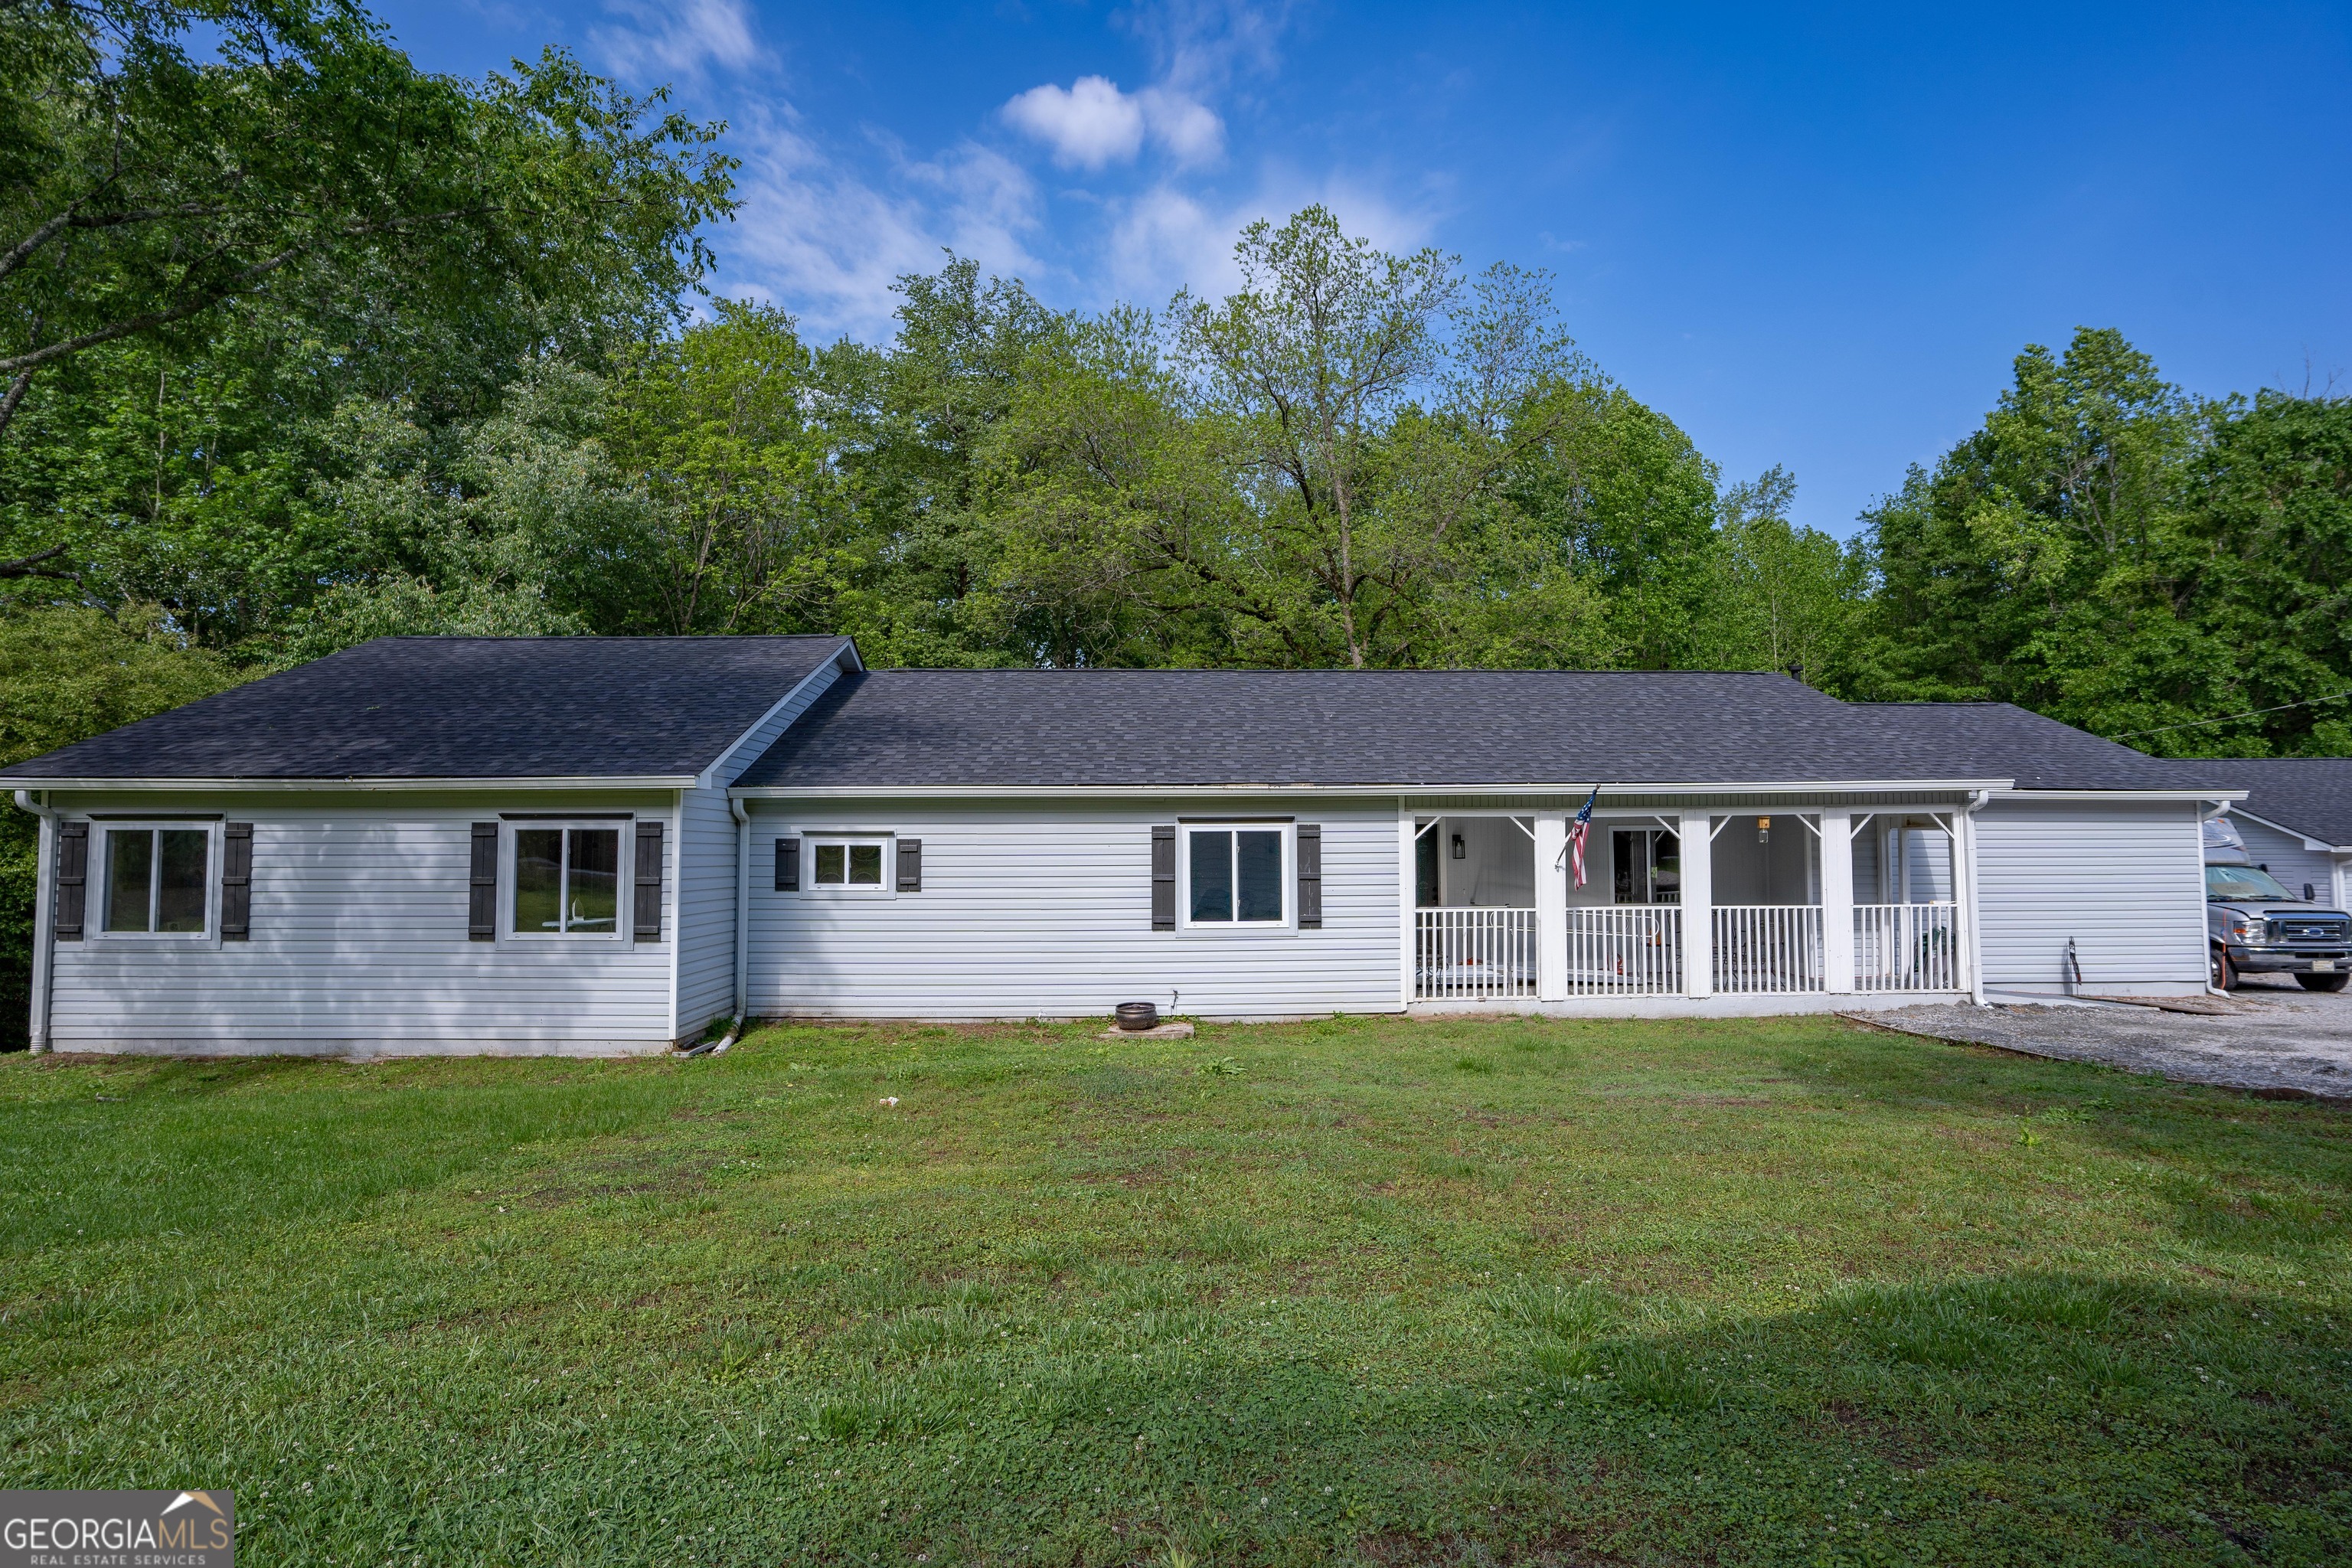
2270	1036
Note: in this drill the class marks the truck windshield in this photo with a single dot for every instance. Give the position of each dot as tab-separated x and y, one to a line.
2242	882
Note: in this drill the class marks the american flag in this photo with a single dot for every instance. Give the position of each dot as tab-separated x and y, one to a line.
1576	835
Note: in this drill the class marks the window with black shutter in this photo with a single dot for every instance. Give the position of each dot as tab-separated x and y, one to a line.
482	896
73	879
646	885
236	881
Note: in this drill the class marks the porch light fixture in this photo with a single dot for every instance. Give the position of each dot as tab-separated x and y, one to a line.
1763	830
1459	854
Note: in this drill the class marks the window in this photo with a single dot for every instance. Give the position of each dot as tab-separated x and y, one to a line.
847	865
567	881
1234	875
156	880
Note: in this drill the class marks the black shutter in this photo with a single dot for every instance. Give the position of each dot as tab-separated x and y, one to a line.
788	865
910	865
482	897
236	881
1163	878
647	881
1310	877
73	878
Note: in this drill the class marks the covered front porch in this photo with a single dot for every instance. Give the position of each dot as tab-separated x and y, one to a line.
1769	905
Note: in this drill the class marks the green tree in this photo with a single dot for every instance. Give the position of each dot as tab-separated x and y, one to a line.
147	184
1780	597
2041	563
2269	543
1630	503
715	424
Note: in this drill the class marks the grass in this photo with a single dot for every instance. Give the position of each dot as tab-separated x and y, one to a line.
1355	1291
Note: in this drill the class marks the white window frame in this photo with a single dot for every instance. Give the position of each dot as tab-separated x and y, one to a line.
1286	827
888	841
101	881
624	930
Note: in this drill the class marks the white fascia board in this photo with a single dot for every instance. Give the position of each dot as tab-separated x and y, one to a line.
1384	790
710	775
2315	846
587	781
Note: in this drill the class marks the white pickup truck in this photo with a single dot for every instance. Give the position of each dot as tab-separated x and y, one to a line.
2259	928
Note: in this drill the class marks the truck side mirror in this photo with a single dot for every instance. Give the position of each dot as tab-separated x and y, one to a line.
2307	896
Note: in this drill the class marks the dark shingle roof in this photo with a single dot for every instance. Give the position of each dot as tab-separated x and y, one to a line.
407	708
2000	740
2313	795
1140	728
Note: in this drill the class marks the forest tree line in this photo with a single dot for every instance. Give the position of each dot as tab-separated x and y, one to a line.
300	345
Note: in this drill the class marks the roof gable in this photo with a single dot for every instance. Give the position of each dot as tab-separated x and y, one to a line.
2310	795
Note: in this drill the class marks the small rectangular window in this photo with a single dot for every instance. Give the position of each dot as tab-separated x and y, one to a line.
567	881
157	880
849	865
1234	876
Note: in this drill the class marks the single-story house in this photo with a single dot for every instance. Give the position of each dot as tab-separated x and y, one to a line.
2296	817
593	845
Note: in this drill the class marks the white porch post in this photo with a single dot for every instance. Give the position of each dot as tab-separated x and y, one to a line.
1551	906
1698	903
1837	898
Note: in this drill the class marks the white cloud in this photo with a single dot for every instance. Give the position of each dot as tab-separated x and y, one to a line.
1092	123
828	243
678	39
1088	124
1187	128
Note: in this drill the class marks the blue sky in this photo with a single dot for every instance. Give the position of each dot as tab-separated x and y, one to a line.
1813	240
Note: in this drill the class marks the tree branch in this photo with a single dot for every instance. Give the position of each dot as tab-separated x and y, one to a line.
30	566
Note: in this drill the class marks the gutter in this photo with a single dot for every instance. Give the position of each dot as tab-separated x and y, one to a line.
44	919
1391	790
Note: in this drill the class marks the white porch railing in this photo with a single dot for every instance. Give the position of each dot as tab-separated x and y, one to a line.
1768	949
1625	950
1473	954
1906	947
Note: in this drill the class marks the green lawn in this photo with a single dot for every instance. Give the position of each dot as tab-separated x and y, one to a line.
1492	1292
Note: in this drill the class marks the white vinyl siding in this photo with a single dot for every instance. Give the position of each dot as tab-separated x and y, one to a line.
1046	910
706	960
2124	880
359	944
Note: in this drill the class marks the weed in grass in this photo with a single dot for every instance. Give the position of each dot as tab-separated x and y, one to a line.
1570	1313
1220	1067
1473	1064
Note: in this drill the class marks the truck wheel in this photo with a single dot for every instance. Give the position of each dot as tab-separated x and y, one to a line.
2225	973
2321	982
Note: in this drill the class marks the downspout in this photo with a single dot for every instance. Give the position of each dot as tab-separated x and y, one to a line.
1977	799
44	919
2205	933
742	929
742	909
